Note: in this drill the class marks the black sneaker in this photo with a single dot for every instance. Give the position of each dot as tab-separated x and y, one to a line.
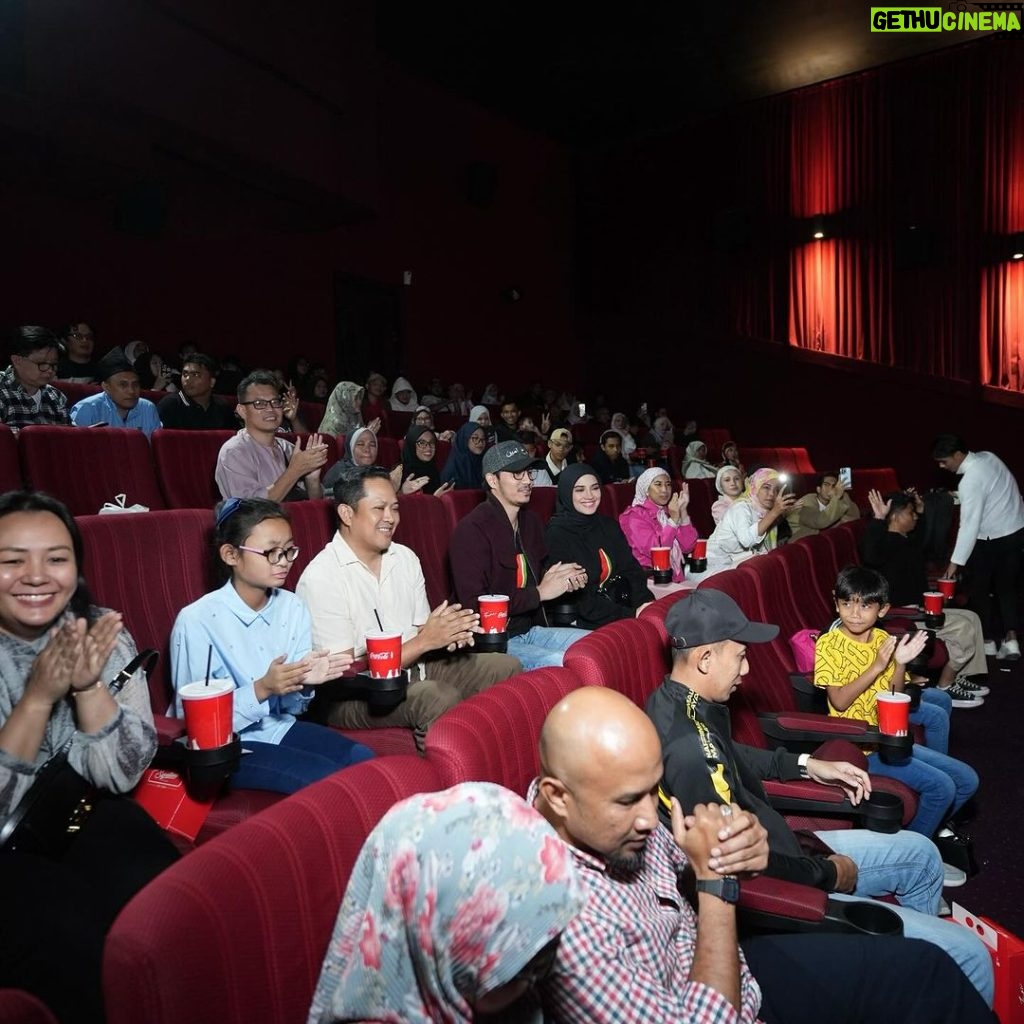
976	688
964	698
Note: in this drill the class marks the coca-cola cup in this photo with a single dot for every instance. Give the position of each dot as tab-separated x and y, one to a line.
893	713
933	601
208	708
947	588
493	612
661	564
700	549
699	556
384	655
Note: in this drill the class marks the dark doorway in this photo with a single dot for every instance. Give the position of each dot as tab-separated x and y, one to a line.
368	319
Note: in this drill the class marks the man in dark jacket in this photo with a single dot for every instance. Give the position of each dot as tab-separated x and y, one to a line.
703	763
499	549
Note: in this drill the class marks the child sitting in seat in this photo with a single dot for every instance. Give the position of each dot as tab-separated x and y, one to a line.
854	663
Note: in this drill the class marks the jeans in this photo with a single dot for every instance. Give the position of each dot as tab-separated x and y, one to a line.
907	865
306	753
943	785
543	646
933	713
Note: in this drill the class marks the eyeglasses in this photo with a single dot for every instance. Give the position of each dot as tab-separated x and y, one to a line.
523	474
44	367
275	556
426	444
259	404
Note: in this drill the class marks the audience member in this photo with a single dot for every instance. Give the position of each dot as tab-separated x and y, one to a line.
343	415
620	422
317	388
425	418
59	654
854	662
297	373
729	484
508	422
464	468
435	963
256	462
154	374
481	416
829	505
259	636
695	462
638	951
375	406
491	395
731	456
749	525
434	396
134	349
403	397
26	394
458	404
616	586
559	448
78	363
989	539
608	463
659	519
418	454
892	543
498	548
363	582
529	440
663	431
196	407
118	404
703	764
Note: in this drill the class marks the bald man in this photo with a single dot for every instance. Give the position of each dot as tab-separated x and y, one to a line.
638	952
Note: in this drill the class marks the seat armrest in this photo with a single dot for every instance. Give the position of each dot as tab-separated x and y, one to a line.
763	895
168	729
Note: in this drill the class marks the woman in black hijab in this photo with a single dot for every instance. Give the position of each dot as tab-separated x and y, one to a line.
616	584
465	466
418	453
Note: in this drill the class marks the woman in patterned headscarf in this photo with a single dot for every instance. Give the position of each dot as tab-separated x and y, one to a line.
749	525
453	908
343	415
659	519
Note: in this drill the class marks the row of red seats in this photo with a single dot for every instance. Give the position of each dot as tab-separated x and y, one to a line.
184	924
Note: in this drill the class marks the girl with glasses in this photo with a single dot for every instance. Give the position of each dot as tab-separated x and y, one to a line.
419	455
260	636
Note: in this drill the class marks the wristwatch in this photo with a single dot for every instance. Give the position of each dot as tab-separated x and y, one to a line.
727	888
802	763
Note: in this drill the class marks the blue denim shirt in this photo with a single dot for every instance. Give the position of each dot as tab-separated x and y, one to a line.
100	409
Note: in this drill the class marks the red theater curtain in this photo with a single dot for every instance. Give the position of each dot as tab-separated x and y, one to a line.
1002	279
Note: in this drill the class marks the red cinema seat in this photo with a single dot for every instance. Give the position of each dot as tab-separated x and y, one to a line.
388	452
460	503
398	422
843	541
628	656
617	498
186	461
492	737
85	467
657	611
882	479
20	1007
10	470
813	599
75	391
313	525
236	931
714	438
424	528
802	460
312	414
543	502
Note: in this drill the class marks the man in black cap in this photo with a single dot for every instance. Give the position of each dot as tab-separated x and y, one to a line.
118	404
703	764
499	549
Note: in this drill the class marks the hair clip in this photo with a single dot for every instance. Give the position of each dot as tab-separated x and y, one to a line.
227	510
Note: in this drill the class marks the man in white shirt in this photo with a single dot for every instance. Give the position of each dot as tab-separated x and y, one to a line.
990	537
362	582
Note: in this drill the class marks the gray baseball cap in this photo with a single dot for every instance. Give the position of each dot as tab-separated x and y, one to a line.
510	456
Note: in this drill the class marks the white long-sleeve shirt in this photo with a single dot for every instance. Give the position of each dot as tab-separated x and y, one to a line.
990	503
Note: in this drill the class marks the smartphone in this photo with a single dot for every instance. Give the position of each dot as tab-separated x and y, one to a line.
583	410
783	483
846	477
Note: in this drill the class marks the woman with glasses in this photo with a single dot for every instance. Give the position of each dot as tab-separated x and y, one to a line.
361	450
453	913
260	636
464	469
418	454
616	585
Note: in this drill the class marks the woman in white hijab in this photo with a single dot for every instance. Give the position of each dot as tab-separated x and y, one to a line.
403	396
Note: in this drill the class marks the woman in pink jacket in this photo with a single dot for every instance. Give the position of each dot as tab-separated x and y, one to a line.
658	518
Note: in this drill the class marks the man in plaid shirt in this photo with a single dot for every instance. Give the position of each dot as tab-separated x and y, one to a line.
26	394
638	952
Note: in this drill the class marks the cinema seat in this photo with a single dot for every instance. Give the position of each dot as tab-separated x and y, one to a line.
460	503
186	461
543	502
85	467
424	528
236	931
628	656
10	469
617	498
20	1007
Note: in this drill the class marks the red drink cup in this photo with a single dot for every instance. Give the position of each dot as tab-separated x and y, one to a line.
700	549
384	655
208	711
493	612
893	713
933	601
947	588
660	559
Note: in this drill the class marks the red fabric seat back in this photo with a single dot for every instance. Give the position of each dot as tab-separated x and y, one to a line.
460	503
20	1007
148	567
10	469
802	460
842	539
657	611
388	452
313	525
807	592
236	931
87	466
186	461
75	391
492	737
312	414
882	479
714	438
398	423
448	421
628	656
543	501
424	528
617	498
776	592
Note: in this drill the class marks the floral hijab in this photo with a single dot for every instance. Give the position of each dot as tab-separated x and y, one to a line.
754	483
342	415
451	897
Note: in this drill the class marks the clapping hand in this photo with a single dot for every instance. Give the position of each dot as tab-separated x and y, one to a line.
879	508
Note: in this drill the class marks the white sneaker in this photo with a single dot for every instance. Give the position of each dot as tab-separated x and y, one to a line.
945	910
952	877
1009	650
990	649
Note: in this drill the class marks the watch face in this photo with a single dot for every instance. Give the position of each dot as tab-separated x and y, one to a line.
730	890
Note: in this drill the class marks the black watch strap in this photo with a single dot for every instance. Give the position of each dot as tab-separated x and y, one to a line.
727	888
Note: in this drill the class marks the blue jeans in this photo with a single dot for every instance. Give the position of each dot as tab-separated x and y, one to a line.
943	785
306	753
933	713
543	646
908	866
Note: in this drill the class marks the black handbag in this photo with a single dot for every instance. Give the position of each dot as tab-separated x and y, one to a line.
617	590
57	805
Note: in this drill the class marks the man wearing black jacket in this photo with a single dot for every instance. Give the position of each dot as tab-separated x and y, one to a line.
703	764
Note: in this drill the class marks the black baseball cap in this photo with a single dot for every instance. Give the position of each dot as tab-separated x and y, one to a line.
708	616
